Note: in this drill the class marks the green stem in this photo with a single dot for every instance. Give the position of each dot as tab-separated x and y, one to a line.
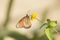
43	25
8	13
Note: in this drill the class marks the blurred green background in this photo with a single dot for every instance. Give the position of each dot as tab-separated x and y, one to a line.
11	11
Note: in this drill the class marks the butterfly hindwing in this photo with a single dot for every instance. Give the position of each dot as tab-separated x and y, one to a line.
27	23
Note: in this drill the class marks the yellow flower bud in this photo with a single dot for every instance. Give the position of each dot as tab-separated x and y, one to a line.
33	16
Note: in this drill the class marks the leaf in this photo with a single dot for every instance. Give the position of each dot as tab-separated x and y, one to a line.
49	34
53	23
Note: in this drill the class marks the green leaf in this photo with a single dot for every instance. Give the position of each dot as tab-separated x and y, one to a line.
53	23
48	32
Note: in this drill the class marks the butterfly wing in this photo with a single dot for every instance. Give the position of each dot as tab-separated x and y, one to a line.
27	23
20	24
24	22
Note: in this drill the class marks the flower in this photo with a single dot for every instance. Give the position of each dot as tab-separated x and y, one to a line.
33	16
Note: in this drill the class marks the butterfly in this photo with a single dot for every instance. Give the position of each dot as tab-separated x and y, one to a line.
24	22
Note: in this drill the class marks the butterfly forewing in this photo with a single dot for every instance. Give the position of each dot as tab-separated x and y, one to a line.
20	23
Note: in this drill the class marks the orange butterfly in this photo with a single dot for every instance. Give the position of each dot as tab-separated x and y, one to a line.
24	22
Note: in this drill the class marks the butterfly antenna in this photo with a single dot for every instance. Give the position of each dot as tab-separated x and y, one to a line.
28	12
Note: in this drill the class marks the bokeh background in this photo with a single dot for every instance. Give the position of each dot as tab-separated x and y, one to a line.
11	11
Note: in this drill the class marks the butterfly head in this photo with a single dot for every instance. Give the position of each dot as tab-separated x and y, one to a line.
27	15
